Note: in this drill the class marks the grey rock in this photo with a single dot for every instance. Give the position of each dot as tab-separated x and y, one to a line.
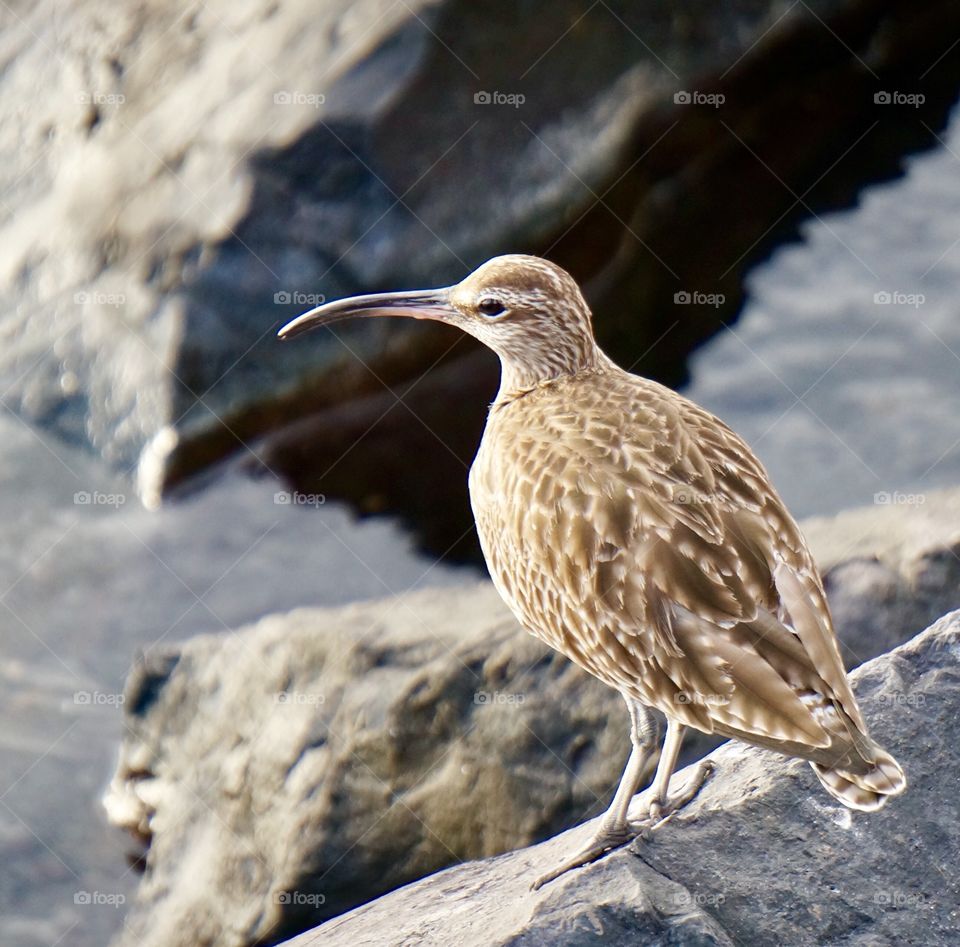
889	569
315	760
292	770
760	857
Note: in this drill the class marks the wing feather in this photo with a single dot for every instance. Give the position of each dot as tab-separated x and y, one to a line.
672	567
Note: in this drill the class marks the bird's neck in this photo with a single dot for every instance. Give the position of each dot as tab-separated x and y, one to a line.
518	377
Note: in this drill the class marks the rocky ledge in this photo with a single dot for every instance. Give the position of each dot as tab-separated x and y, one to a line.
762	856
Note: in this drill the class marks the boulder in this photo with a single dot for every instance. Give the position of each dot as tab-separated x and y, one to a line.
359	748
304	765
889	569
762	856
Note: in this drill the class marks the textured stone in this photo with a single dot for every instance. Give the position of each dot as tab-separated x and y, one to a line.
760	857
320	758
889	569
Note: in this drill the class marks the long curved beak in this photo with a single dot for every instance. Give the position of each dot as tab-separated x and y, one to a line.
416	304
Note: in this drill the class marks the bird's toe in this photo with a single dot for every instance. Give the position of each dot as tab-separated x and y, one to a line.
605	841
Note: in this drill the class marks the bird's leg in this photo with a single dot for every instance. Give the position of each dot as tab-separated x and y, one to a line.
615	830
662	805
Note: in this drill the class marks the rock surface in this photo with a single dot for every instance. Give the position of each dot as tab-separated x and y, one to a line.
304	765
762	856
193	178
889	569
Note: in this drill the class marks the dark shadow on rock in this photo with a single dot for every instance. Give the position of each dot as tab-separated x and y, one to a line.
404	451
661	246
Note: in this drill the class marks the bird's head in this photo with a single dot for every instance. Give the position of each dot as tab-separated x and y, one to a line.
528	310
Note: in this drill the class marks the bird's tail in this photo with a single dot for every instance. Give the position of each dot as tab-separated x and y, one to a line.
867	790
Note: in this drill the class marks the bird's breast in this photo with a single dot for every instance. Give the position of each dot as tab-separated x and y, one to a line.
518	493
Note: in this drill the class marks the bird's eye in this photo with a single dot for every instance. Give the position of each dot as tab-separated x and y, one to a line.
491	306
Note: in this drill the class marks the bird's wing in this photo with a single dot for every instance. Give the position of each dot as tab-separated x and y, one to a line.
677	546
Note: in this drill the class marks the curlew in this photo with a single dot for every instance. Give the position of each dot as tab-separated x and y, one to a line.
637	534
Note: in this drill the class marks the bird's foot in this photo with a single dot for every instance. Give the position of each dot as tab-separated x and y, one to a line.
660	812
610	838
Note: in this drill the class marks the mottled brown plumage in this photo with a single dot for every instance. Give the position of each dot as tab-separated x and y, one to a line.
637	534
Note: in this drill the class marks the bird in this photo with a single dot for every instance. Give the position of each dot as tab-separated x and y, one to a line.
637	534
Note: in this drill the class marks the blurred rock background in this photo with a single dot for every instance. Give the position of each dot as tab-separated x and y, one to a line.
178	180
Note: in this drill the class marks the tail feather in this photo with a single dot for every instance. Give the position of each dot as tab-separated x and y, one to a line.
869	790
